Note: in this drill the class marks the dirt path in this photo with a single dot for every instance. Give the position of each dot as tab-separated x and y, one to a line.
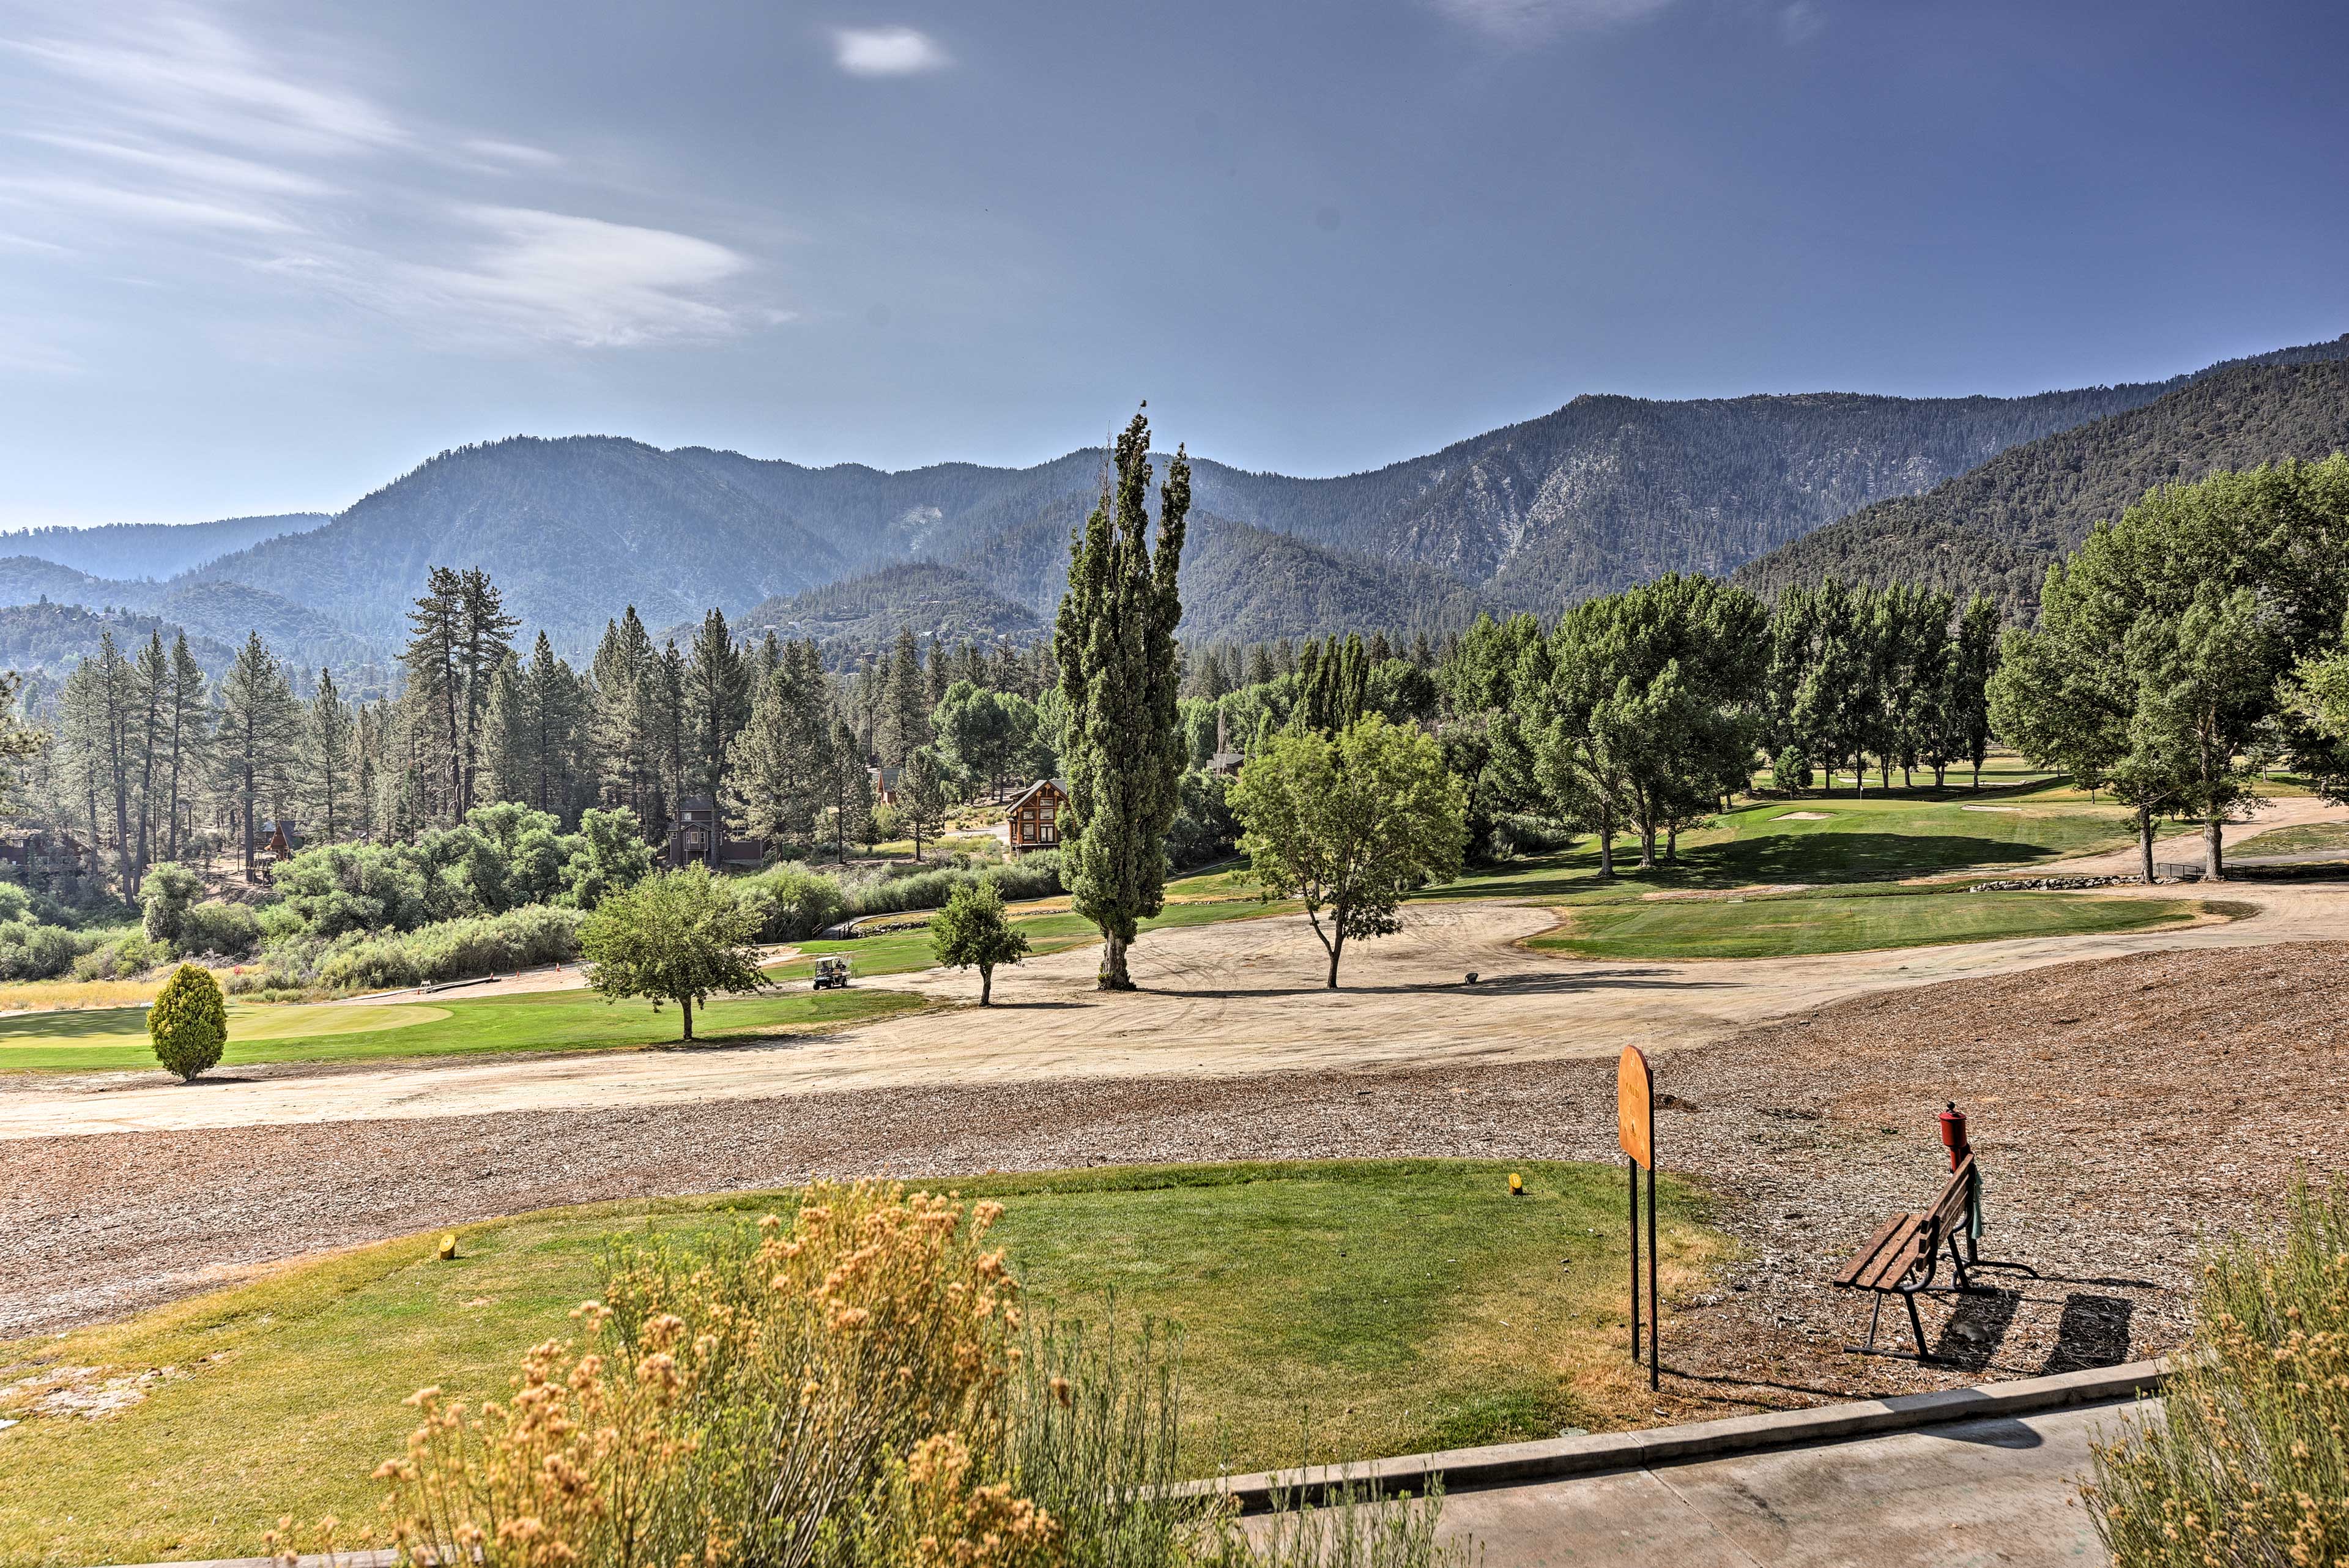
1241	997
2188	849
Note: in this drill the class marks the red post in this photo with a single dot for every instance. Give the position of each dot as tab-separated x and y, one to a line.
1953	1134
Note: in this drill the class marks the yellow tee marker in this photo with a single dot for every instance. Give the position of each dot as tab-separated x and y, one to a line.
1516	1185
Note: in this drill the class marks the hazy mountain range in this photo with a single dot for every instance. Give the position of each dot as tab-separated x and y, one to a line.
1601	494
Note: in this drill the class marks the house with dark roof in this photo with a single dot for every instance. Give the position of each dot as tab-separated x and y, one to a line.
698	835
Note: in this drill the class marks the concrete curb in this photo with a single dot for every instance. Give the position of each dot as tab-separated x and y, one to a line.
1462	1468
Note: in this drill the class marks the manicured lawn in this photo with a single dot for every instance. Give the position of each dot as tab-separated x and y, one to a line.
103	1039
1787	925
1831	838
1382	1306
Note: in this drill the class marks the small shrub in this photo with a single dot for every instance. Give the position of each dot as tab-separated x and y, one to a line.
166	894
1791	770
120	956
188	1022
226	930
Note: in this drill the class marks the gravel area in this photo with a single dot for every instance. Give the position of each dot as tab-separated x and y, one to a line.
2118	1106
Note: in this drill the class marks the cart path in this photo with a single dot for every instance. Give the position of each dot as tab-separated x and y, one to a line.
1244	996
2190	848
2001	1489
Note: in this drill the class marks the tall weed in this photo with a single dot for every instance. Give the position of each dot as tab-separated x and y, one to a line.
855	1389
2248	1461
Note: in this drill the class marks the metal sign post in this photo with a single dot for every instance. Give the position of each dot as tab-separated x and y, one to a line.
1635	1130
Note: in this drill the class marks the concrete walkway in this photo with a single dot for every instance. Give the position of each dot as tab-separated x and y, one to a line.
2001	1489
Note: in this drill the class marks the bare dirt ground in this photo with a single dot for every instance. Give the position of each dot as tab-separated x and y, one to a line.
2118	1106
1217	1000
2188	849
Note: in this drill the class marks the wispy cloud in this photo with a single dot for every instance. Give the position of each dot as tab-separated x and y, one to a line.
513	152
176	68
886	52
1800	21
1529	21
168	130
581	280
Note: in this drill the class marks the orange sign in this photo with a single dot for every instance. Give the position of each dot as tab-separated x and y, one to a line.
1635	1107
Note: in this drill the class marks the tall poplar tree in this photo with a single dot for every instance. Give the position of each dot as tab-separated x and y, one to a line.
1122	744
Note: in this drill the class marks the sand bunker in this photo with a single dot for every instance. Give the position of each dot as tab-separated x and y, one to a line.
1989	808
1802	816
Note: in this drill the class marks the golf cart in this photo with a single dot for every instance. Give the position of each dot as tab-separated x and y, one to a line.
832	974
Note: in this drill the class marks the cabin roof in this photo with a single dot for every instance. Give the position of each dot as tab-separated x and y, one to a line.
1030	794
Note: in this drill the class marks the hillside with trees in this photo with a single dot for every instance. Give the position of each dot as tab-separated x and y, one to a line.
863	615
1998	527
1599	494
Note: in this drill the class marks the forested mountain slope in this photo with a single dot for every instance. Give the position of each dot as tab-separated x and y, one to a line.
864	615
1998	526
152	549
50	639
1603	493
27	579
570	529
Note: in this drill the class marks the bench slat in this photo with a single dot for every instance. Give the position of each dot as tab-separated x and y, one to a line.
1900	1256
1870	1259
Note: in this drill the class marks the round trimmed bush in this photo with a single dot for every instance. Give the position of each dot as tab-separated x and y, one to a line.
188	1022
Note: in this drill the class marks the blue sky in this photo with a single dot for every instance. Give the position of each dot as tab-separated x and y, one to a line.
260	256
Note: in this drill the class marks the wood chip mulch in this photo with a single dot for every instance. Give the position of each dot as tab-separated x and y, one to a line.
2121	1108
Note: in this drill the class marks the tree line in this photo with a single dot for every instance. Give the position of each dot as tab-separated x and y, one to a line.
144	759
2186	648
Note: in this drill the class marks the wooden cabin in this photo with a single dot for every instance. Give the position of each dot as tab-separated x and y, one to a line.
698	833
1034	818
40	859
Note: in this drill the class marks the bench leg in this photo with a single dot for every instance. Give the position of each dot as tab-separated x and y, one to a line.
1916	1326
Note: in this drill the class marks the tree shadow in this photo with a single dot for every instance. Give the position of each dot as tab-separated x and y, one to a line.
1488	987
77	1023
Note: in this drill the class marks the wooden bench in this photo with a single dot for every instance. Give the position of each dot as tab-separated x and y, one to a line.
1905	1254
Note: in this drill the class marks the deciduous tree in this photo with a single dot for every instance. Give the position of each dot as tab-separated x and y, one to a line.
683	936
1350	825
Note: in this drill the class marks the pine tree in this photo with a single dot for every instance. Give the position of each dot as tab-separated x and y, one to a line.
259	725
327	760
906	716
187	729
1123	747
152	677
922	797
718	697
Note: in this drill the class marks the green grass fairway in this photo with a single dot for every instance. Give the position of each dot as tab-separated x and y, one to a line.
105	1039
1835	838
1785	926
1387	1306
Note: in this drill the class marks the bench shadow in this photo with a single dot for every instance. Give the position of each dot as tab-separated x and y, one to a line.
2094	1331
1976	1329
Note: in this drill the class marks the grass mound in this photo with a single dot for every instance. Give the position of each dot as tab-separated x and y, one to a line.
1385	1307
